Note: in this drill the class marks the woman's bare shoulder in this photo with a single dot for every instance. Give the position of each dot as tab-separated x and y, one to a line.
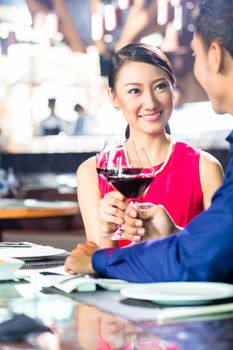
210	166
209	160
89	165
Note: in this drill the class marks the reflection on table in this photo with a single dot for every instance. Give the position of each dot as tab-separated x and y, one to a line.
77	325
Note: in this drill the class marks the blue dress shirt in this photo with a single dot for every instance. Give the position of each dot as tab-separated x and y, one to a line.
203	251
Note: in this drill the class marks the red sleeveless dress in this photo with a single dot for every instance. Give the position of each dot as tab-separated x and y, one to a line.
177	187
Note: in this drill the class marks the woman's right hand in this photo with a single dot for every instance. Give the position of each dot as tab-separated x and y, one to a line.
112	209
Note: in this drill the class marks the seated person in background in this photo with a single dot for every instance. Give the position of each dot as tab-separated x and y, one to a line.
52	125
80	125
203	250
141	84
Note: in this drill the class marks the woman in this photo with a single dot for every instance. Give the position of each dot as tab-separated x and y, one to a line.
141	84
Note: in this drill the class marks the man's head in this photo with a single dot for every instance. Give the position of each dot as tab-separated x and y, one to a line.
215	22
51	103
79	109
213	47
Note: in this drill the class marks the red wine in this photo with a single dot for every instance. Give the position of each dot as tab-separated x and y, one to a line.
107	172
131	171
113	172
130	187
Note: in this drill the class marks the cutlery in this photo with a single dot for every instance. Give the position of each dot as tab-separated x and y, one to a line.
15	245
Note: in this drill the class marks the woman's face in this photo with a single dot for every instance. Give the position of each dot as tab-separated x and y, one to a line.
144	94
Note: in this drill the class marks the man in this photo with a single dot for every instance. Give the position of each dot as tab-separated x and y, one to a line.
203	251
84	124
51	125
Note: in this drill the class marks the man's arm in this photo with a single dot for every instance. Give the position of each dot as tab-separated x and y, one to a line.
80	259
201	252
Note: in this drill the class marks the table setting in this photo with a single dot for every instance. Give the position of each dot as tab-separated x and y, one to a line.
22	260
33	280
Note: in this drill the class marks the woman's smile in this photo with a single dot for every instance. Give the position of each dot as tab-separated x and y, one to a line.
151	117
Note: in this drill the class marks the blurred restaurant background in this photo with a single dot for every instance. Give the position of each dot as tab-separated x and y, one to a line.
54	57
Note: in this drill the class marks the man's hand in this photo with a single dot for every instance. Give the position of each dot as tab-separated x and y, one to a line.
147	221
112	208
80	260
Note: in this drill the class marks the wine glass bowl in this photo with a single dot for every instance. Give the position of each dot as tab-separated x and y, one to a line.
131	182
104	162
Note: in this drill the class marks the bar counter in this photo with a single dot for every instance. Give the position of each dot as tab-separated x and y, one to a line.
63	154
57	163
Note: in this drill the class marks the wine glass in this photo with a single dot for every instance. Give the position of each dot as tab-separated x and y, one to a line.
127	168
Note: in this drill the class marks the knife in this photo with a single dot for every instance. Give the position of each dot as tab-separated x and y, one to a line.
15	245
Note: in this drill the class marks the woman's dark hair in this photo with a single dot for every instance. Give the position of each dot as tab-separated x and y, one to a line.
214	21
139	53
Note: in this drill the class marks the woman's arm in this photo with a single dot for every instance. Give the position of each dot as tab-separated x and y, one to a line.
100	215
89	197
211	174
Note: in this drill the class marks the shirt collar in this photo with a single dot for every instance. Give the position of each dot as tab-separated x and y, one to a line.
229	139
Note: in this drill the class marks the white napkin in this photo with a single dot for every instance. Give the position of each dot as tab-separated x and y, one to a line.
86	283
179	313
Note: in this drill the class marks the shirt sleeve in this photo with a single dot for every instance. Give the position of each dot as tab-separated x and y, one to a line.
203	251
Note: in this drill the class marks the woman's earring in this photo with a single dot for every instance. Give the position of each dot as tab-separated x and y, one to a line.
116	108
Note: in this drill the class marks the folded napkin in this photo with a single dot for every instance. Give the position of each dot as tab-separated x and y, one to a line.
85	284
20	326
181	313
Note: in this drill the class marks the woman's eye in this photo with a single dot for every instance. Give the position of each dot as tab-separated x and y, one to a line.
134	91
161	86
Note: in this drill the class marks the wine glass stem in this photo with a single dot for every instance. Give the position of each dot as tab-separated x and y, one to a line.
119	233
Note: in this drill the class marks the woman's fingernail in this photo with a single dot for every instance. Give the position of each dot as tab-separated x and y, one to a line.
137	238
138	223
133	214
141	231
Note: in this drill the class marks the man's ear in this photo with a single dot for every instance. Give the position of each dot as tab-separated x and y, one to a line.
113	98
216	57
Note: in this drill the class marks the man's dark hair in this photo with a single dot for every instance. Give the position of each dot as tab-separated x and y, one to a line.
51	102
78	108
214	21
